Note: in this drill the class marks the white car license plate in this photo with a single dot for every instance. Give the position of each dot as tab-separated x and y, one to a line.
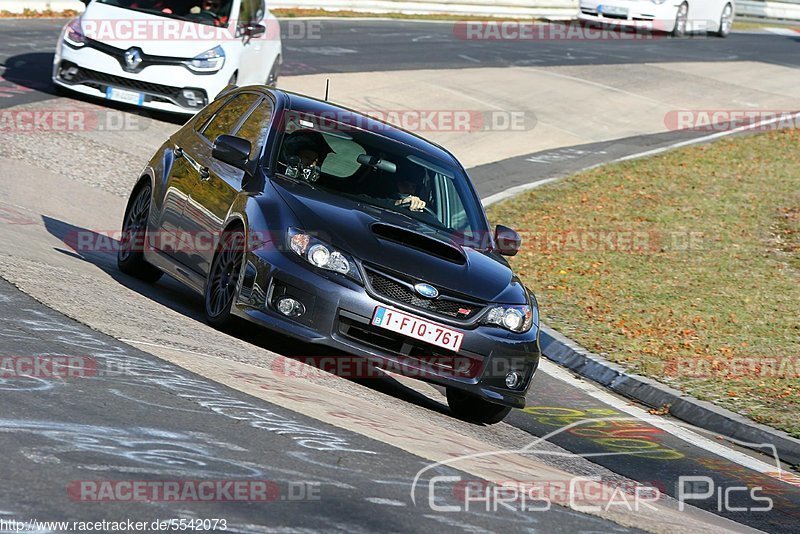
121	95
613	10
411	326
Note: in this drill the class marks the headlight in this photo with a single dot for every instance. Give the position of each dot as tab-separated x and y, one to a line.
322	255
515	318
73	34
209	61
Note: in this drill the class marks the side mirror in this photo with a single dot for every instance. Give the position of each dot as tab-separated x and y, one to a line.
255	30
508	241
232	150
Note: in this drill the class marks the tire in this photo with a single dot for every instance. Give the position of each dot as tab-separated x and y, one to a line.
725	21
130	256
272	78
681	21
474	409
223	279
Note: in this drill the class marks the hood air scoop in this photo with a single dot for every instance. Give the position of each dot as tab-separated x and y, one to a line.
419	242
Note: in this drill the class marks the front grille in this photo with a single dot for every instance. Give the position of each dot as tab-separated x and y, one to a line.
154	92
408	350
86	75
395	290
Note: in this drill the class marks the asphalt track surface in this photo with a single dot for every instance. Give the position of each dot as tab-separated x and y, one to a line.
55	432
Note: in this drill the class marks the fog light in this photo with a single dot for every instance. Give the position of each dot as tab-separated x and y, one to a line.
513	380
193	98
290	307
69	73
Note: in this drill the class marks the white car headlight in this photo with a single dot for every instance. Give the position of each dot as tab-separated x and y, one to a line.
322	255
209	61
73	34
518	319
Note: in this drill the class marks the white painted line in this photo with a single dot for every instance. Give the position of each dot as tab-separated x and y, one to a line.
513	191
667	425
385	502
469	58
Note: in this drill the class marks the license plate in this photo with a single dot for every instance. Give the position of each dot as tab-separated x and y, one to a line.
121	95
417	328
613	10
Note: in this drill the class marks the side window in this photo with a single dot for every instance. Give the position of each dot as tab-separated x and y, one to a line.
229	116
204	114
256	127
249	11
454	216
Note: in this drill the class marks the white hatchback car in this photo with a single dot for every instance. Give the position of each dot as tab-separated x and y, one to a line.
678	17
169	55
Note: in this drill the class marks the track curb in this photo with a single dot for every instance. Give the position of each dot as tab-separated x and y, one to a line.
567	353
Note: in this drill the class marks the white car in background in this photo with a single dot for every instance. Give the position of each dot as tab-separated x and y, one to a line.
169	55
678	17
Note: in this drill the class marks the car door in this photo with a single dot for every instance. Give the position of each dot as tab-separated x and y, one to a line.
253	60
195	156
210	202
700	15
180	179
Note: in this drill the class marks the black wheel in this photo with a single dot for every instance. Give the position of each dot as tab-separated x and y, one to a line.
130	256
223	278
471	408
681	21
272	79
725	22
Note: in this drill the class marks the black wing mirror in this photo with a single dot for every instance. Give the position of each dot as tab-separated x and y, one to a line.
234	151
255	30
508	241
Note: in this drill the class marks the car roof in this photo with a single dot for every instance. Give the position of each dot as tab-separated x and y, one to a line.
356	119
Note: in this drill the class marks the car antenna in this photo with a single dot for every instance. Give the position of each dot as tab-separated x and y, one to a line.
327	85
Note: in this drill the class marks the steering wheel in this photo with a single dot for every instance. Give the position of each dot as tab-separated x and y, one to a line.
217	18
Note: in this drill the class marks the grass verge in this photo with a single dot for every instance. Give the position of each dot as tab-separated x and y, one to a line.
683	267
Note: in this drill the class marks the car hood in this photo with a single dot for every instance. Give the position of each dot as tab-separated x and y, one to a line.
351	226
125	28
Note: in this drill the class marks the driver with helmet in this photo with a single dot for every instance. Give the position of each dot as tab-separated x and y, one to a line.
304	153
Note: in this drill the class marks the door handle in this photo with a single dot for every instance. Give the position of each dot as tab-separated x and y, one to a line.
178	152
205	175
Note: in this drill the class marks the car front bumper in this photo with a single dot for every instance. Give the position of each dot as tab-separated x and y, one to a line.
161	86
643	15
338	316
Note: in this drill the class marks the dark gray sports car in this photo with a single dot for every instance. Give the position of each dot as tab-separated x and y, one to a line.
323	224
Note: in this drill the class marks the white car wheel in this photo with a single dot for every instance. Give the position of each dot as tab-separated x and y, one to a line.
681	20
725	21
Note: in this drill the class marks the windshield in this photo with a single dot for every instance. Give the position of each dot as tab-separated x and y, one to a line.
210	12
378	171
